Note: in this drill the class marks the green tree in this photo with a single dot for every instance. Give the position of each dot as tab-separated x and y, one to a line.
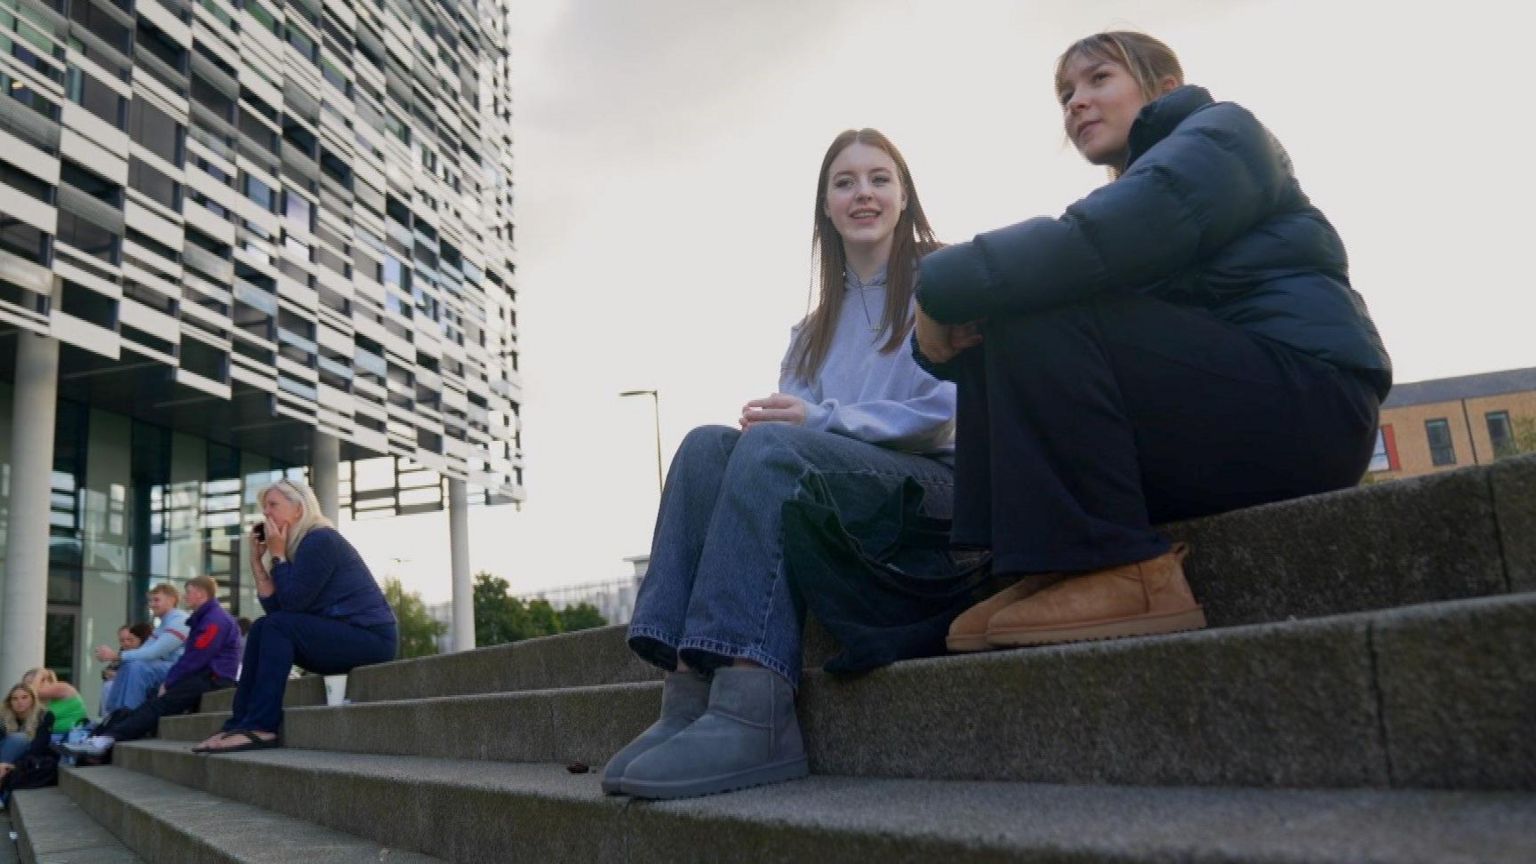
418	630
1523	440
499	617
543	620
582	616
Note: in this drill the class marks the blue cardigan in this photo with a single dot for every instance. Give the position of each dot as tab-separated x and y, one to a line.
327	577
1208	213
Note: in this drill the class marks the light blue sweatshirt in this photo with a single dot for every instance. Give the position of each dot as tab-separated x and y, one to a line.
166	643
882	399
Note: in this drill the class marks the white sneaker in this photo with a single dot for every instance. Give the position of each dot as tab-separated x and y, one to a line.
96	745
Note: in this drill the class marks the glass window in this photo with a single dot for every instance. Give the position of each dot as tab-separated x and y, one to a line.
1502	434
88	237
301	43
263	17
213	99
155	185
297	209
260	193
92	184
153	40
1441	449
25	183
84	303
156	130
95	97
23	241
102	24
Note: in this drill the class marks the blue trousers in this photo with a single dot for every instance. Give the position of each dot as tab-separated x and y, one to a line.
280	640
136	681
715	589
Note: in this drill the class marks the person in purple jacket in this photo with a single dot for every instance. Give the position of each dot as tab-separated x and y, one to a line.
325	613
209	662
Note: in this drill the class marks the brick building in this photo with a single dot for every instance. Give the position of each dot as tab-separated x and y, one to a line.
1429	426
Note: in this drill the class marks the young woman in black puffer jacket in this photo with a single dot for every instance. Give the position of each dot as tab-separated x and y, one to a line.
1183	341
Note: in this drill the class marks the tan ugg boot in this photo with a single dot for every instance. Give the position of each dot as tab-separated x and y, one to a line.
968	632
1139	599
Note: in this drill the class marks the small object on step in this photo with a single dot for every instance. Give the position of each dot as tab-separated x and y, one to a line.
578	767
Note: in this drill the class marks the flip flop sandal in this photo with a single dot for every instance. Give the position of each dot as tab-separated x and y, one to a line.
203	748
253	742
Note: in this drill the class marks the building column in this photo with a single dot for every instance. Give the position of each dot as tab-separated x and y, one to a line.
325	459
463	587
25	610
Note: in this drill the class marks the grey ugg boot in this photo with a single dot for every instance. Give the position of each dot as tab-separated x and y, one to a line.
748	737
684	696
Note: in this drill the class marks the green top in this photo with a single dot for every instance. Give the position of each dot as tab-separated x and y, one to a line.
67	713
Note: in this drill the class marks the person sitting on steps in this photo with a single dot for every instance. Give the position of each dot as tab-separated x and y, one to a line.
854	420
129	637
27	760
209	663
1183	341
142	670
325	613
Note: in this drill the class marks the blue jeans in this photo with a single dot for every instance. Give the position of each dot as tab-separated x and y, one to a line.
715	590
135	682
12	747
279	640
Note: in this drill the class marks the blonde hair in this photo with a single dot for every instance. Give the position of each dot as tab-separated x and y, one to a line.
39	677
310	516
12	722
168	590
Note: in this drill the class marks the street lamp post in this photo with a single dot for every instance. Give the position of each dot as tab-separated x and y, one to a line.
656	411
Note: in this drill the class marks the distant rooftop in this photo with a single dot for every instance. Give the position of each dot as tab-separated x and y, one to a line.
1462	387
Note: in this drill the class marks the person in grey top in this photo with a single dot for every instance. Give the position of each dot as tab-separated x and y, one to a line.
854	419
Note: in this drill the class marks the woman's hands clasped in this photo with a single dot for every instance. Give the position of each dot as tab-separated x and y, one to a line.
778	408
941	343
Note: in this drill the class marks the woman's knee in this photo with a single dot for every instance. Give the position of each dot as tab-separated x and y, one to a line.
707	442
767	451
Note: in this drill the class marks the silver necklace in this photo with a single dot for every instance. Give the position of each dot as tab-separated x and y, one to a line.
873	327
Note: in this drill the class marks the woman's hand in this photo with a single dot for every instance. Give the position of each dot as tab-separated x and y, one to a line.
941	343
105	654
277	540
778	408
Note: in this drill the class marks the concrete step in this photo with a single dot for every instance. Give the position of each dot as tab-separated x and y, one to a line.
491	812
1435	696
51	829
1461	534
164	821
305	690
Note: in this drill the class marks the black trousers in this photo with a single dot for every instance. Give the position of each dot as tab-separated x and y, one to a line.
1081	427
180	698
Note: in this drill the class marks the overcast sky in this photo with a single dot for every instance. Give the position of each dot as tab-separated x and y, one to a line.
666	153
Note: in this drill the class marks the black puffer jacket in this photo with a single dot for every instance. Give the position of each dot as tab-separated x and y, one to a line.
1208	213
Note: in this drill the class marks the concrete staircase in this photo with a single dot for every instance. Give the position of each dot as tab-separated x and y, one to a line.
1367	692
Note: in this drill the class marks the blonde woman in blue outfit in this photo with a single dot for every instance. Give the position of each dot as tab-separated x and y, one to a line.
854	419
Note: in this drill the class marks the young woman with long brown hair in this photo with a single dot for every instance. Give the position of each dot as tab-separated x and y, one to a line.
854	418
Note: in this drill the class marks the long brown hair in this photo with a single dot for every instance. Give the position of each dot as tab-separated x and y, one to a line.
913	239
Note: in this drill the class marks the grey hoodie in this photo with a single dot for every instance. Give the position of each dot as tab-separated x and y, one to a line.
883	399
